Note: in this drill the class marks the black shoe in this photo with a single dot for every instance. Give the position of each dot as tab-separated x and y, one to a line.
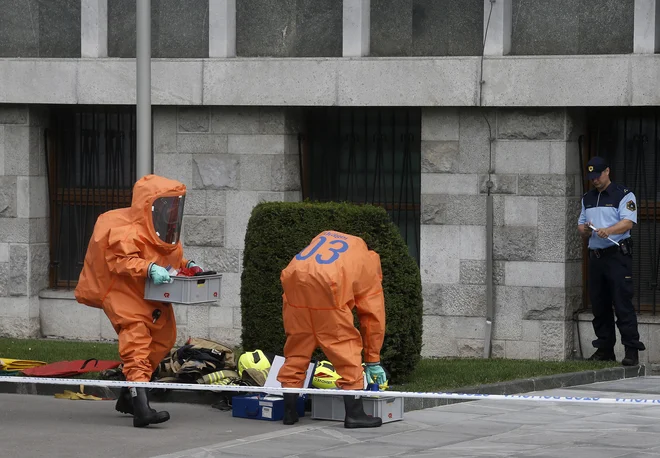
603	354
290	410
631	358
143	414
355	416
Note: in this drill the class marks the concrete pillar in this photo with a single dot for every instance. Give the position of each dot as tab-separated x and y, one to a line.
222	28
356	24
94	28
647	27
498	36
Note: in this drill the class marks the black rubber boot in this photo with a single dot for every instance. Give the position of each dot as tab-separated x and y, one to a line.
603	354
124	402
143	414
631	358
290	411
355	416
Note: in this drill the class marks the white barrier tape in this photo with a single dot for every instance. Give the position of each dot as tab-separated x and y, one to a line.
365	393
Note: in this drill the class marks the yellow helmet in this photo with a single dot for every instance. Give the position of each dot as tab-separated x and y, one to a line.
252	360
325	376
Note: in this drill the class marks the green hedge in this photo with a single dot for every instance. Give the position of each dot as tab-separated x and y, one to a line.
277	231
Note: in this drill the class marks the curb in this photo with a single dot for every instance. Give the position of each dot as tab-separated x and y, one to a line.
527	385
410	404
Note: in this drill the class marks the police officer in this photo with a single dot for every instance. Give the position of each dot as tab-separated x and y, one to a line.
608	214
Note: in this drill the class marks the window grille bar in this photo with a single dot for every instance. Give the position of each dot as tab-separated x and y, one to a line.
630	141
366	155
91	169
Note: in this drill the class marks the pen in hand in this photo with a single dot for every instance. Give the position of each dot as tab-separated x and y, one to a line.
591	226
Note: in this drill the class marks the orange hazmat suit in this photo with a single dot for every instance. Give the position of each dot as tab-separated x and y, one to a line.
322	285
124	244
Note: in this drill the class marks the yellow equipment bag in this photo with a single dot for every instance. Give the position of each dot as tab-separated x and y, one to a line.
9	364
79	396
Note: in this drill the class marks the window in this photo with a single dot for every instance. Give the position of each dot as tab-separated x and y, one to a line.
91	169
366	155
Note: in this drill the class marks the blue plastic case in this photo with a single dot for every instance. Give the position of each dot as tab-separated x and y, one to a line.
263	407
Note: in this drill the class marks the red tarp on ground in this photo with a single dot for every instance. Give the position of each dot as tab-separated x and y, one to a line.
69	368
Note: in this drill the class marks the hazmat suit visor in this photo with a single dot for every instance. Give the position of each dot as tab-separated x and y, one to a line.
167	214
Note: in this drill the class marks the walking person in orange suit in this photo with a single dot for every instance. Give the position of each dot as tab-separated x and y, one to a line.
130	246
322	284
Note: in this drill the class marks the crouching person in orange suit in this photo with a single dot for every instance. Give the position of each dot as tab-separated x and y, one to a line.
322	284
128	247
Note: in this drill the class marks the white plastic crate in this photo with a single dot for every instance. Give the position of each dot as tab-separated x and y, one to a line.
185	290
327	407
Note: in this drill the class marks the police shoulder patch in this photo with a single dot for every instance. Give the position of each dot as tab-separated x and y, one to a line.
630	205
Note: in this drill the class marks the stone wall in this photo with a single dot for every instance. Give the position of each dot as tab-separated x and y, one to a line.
40	28
537	268
24	252
289	28
179	29
571	27
426	27
230	158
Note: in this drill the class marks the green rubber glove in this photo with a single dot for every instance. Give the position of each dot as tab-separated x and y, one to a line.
375	373
159	274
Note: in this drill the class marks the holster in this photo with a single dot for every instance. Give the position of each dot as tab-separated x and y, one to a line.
626	246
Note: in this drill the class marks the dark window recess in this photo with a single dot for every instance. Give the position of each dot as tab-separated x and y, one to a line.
366	155
91	169
630	140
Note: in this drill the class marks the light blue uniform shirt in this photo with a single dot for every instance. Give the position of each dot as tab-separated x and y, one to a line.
605	209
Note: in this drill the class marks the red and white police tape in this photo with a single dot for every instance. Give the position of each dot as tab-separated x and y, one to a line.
320	392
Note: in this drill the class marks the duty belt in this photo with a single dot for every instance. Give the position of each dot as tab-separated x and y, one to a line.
597	253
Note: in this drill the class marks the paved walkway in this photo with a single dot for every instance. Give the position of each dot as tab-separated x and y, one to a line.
36	426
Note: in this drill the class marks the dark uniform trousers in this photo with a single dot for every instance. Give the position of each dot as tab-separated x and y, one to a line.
610	282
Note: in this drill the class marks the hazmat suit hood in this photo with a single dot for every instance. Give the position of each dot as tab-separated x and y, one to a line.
126	241
158	205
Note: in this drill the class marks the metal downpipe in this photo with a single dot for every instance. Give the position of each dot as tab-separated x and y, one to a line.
490	309
143	158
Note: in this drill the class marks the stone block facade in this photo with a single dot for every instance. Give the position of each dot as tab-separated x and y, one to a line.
24	250
230	159
533	158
